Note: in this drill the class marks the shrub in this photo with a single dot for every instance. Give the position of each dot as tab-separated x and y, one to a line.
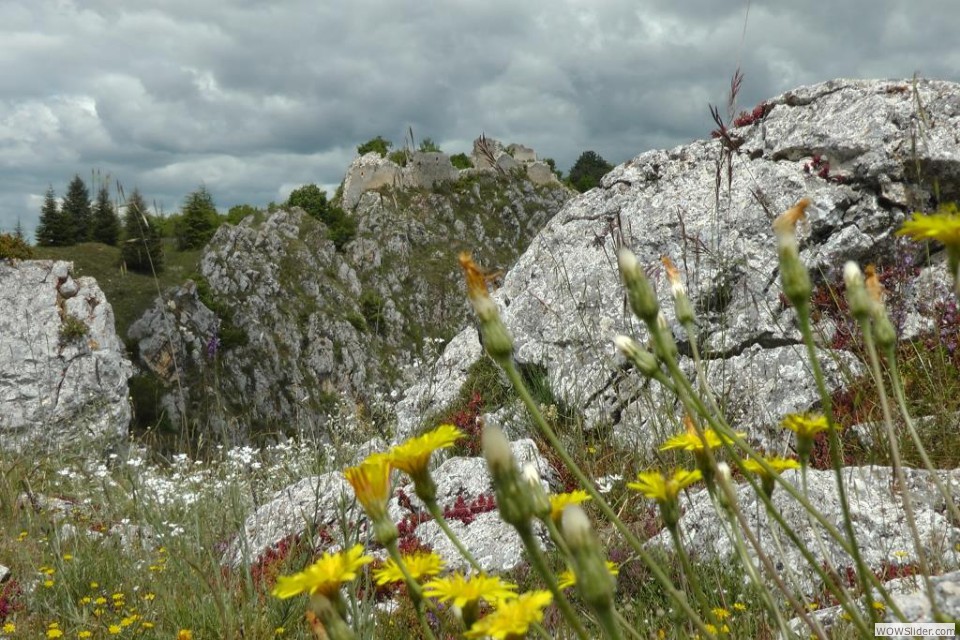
14	248
461	161
378	144
72	328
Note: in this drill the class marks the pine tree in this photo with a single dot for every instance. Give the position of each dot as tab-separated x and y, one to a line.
586	172
198	220
106	224
76	211
18	231
142	245
52	230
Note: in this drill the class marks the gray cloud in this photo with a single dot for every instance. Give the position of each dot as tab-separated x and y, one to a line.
254	98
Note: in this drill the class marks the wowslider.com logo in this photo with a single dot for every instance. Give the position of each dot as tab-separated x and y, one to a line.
915	629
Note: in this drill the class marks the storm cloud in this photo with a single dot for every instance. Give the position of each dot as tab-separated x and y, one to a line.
254	98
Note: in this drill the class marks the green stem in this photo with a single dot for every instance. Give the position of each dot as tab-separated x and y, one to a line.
898	463
897	384
692	582
540	565
517	381
413	587
434	510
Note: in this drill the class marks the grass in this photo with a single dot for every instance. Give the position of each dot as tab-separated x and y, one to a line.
130	293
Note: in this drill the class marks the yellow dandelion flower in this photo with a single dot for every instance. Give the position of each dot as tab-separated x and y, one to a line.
720	613
462	590
185	634
786	222
371	484
68	557
656	486
689	440
114	629
476	278
413	456
9	627
778	464
100	600
94	585
146	624
560	501
944	226
419	564
54	632
567	578
512	618
85	634
325	576
279	631
739	606
805	425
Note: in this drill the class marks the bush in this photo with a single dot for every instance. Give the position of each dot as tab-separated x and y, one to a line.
341	228
14	248
398	157
461	161
73	328
378	144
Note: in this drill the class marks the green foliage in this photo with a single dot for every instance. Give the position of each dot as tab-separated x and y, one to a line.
398	157
76	211
14	248
142	249
53	229
461	161
230	335
198	222
378	144
586	172
146	393
238	212
341	228
72	328
311	199
427	145
371	306
106	223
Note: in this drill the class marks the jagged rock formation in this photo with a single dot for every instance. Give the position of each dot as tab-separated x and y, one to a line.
371	172
63	375
847	145
304	325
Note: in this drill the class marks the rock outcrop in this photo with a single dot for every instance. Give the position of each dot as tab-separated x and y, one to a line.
63	373
464	492
371	172
847	145
883	534
302	326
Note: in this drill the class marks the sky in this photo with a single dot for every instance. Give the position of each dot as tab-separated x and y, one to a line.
253	98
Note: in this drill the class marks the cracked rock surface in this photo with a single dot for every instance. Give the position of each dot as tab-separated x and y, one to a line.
563	301
63	372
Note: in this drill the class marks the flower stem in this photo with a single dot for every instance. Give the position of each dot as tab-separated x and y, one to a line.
434	510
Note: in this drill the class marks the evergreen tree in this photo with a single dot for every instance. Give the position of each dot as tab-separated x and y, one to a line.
18	231
142	244
586	172
76	211
106	224
198	220
53	229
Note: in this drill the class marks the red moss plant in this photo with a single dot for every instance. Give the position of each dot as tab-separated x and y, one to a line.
468	421
466	512
745	119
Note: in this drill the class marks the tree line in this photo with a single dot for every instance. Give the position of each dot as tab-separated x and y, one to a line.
77	220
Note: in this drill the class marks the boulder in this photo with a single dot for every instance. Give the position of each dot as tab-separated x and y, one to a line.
368	172
63	373
876	509
323	504
845	144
